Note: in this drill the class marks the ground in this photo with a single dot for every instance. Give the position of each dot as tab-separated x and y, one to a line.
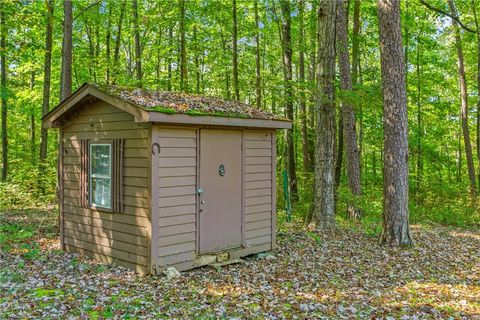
341	274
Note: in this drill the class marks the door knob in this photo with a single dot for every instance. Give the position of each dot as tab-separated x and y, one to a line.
202	202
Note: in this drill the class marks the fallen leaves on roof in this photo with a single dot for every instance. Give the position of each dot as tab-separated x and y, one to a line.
179	102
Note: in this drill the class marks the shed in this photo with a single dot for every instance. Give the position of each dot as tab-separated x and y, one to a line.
153	179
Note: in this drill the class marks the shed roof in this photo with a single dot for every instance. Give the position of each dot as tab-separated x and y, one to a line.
167	107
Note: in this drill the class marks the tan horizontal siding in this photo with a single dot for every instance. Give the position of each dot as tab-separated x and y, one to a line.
123	237
108	233
106	242
258	188
177	170
107	259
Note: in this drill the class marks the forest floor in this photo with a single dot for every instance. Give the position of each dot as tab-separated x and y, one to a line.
342	274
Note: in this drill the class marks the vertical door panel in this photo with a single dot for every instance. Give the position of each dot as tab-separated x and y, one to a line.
220	181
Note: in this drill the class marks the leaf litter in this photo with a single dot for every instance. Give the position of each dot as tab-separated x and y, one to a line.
342	274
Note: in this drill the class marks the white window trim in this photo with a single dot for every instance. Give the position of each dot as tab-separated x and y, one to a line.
101	176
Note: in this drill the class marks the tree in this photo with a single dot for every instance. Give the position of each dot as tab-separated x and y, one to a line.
324	201
183	49
258	74
288	89
116	53
47	71
301	78
396	229
67	47
138	47
235	50
462	80
348	112
3	84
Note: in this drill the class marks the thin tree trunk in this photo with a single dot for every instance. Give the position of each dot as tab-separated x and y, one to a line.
236	87
464	100
478	85
3	84
47	69
307	165
138	46
356	72
66	76
258	75
396	229
118	40
33	126
349	127
287	60
197	61
419	121
107	42
183	50
324	201
169	60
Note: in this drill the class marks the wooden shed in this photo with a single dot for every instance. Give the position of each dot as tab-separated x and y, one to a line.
155	179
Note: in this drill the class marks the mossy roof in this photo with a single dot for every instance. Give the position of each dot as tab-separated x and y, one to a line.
182	103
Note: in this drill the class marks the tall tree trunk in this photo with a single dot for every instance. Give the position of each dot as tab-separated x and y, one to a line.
183	50
258	75
419	120
324	201
478	85
307	165
107	42
236	87
118	40
169	59
349	126
33	126
47	70
287	61
356	73
197	61
396	229
138	46
66	76
3	84
464	98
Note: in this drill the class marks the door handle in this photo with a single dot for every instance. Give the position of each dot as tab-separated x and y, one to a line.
202	202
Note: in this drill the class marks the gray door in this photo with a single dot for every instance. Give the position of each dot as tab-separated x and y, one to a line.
220	211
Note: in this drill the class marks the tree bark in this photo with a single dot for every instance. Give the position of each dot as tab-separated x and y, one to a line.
464	99
67	48
324	201
116	53
396	229
183	50
287	62
33	125
258	75
356	74
478	85
169	59
108	37
235	51
307	165
3	84
47	71
419	120
348	112
138	46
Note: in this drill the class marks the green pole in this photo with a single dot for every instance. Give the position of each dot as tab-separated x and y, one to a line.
286	192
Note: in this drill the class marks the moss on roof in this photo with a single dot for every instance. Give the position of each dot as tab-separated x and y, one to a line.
194	105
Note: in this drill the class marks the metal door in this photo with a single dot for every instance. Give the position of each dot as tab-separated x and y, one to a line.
220	190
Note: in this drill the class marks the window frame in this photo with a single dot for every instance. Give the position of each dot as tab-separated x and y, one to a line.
91	176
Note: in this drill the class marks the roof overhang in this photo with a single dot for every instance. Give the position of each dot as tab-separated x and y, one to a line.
55	118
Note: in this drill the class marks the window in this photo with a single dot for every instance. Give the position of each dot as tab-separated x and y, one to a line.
100	168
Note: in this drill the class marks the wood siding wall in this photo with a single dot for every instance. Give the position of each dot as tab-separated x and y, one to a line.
259	188
122	238
177	180
176	185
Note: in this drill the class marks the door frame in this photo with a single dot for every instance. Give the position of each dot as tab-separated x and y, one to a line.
242	186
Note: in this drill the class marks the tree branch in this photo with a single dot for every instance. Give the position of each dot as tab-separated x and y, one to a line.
86	9
456	18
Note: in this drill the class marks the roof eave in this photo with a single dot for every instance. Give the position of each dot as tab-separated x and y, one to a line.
158	117
51	119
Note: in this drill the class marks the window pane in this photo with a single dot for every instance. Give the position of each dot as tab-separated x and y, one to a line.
101	192
100	159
